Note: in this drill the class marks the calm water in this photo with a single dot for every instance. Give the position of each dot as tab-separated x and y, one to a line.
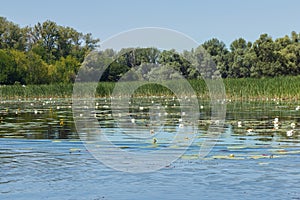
41	156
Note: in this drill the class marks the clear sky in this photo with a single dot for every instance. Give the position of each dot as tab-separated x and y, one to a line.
224	19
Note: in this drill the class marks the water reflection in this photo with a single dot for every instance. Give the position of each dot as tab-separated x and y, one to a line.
38	119
52	118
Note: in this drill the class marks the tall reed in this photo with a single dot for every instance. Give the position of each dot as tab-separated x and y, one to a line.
284	88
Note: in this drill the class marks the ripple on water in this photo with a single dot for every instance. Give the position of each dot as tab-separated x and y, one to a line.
53	164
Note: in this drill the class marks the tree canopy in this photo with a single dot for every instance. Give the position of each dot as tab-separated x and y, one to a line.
44	53
48	53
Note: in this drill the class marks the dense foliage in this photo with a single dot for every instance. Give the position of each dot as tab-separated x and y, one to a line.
44	53
50	53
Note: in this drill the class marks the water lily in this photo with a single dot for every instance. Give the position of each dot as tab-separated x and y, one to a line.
239	124
290	133
276	123
132	120
249	130
293	125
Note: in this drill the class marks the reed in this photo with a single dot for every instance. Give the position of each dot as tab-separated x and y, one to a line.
281	88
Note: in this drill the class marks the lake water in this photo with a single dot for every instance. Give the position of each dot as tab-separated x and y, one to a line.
42	157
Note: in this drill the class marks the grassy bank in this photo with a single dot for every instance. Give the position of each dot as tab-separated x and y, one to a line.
284	88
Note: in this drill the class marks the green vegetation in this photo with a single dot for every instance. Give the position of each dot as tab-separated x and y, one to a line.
279	88
42	54
43	60
36	91
48	53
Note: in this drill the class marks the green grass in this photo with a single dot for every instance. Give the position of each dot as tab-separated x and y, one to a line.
283	88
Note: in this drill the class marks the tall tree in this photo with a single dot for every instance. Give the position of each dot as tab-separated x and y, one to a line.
6	68
12	36
267	58
219	53
240	57
170	58
52	42
44	37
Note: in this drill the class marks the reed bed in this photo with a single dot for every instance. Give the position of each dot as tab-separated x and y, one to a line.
280	88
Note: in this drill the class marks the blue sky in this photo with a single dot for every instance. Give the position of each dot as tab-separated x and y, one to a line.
202	20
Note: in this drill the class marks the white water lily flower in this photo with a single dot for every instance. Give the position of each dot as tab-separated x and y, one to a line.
290	133
293	125
239	124
132	120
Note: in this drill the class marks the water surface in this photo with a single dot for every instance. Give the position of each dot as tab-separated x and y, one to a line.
42	157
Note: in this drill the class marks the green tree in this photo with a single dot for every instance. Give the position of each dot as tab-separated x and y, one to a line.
37	72
172	59
52	42
7	69
191	57
204	63
12	36
65	70
288	52
21	65
96	63
90	42
44	37
267	63
219	54
240	59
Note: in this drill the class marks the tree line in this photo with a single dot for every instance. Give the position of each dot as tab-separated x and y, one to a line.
49	53
264	57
